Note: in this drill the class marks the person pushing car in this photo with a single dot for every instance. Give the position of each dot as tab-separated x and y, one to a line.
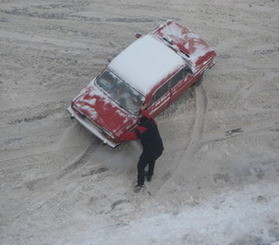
152	146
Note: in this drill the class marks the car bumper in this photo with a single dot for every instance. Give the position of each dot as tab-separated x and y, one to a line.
93	129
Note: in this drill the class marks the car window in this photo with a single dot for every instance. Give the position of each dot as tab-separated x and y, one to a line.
119	91
160	92
179	76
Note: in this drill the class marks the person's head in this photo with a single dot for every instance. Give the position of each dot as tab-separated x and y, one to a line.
143	119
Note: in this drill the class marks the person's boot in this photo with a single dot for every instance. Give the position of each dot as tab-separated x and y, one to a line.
148	177
138	188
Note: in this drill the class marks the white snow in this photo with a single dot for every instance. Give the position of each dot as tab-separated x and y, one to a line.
92	102
145	63
198	49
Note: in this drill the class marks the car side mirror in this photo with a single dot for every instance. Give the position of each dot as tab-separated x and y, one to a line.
138	35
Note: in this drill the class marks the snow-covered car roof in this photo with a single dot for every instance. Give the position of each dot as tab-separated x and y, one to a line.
145	63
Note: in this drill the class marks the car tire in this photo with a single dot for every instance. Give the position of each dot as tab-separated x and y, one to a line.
199	81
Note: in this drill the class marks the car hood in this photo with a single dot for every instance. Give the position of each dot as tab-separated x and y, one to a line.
103	111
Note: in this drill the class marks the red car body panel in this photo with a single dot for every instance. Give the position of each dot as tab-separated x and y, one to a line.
99	112
188	44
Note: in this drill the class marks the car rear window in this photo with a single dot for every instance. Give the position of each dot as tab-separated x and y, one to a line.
179	76
160	92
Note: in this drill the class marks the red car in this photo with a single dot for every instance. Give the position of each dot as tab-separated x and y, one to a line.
153	71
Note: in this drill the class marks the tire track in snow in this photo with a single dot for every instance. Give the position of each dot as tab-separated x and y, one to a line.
258	85
48	180
56	183
81	136
240	130
15	36
184	160
201	105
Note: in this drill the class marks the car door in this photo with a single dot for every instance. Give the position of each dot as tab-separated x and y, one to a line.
180	82
160	99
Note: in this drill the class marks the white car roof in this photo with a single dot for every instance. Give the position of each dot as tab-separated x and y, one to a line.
145	63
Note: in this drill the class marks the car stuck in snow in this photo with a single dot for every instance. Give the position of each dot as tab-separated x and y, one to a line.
152	72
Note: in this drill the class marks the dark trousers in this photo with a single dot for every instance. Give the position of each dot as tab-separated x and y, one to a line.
144	160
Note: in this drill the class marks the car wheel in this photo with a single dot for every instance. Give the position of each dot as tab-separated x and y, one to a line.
199	81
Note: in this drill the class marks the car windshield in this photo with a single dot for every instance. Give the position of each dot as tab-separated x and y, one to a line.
122	93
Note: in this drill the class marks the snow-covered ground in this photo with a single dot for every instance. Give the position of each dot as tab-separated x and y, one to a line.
217	181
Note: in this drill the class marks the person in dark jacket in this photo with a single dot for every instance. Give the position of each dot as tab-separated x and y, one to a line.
152	146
